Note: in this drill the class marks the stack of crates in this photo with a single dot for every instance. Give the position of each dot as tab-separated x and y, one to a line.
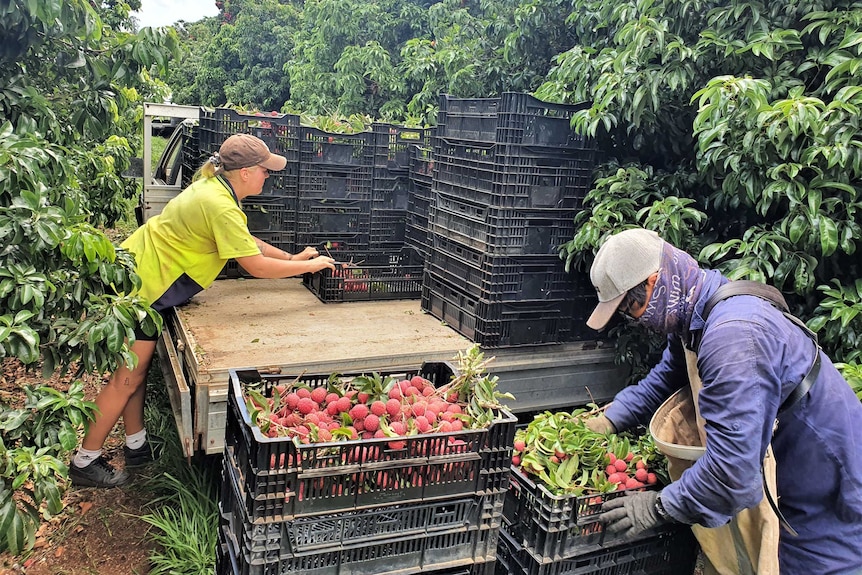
419	196
547	534
193	156
377	265
335	190
272	214
509	176
433	504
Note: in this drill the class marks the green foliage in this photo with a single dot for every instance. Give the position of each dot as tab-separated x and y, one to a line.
55	268
185	522
72	84
386	59
570	459
838	319
853	374
476	388
36	439
745	113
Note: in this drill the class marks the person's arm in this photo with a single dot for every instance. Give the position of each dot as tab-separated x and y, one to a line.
261	266
635	404
270	251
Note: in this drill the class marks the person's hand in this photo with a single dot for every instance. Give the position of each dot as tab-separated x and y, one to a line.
306	254
632	513
600	424
321	262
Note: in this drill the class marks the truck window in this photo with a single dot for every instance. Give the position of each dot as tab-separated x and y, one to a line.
169	168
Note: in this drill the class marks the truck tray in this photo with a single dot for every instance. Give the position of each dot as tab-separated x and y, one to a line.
278	326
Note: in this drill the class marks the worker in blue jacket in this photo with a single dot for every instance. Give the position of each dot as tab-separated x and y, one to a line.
750	359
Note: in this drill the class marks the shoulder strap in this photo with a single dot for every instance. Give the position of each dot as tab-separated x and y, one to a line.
748	287
745	287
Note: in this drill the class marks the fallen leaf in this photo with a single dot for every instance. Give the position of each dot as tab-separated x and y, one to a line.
59	551
85	506
79	528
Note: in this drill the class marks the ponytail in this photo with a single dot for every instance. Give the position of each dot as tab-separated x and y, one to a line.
209	169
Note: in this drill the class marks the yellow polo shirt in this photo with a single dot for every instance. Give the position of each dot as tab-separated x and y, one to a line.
181	251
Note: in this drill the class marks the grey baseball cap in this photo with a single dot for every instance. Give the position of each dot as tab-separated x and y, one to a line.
622	262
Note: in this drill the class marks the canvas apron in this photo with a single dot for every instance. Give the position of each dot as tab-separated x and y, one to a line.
748	545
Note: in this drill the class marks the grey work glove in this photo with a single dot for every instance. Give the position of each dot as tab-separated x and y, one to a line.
600	424
632	514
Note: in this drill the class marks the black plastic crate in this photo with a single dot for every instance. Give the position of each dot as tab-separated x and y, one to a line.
390	190
550	180
280	132
472	119
322	182
226	560
283	183
333	149
388	229
460	549
515	118
193	156
419	199
372	276
500	231
421	164
392	144
351	528
282	480
416	235
333	216
557	526
497	324
270	213
513	176
671	552
526	120
227	563
504	278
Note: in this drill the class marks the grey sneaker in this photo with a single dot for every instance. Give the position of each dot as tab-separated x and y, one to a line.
144	455
100	473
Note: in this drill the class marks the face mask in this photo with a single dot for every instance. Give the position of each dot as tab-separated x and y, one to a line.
672	301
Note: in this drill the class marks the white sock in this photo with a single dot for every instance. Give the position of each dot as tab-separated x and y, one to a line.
136	440
84	457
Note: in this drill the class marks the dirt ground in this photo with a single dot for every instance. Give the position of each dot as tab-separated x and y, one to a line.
99	532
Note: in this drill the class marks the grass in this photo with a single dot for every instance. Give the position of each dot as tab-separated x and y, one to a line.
158	147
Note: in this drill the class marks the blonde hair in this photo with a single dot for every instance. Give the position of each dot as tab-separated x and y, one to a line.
208	170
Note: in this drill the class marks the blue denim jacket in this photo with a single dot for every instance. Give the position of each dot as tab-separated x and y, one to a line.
750	359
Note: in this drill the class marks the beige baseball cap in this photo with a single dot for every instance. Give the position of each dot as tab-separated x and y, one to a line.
622	262
245	150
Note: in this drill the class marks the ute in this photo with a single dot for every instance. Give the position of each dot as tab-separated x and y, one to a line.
280	327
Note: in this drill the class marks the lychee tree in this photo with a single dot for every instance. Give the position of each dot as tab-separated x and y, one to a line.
732	128
71	87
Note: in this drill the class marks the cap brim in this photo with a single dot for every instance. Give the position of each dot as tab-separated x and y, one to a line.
604	312
274	163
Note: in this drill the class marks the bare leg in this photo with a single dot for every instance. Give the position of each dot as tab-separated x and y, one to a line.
123	395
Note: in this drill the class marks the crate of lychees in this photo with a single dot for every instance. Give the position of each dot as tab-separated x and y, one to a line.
562	472
318	443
